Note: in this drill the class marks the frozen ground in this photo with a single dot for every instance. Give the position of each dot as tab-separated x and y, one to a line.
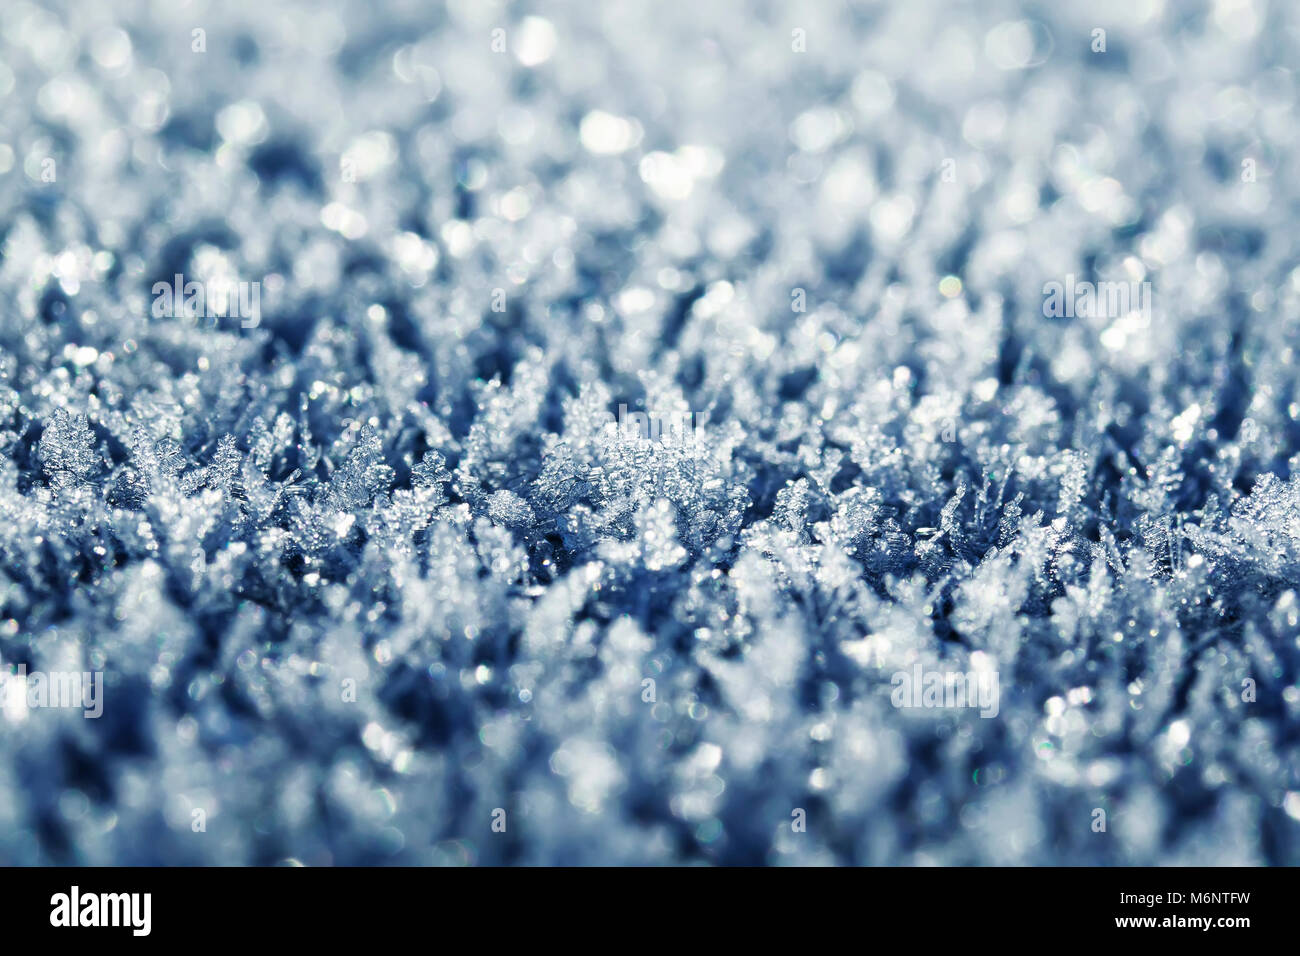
369	576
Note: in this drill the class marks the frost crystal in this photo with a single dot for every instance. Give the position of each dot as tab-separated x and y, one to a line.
67	451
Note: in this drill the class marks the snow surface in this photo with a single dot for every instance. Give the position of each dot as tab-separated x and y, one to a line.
378	568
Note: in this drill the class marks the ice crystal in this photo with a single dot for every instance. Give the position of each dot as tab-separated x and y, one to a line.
67	451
